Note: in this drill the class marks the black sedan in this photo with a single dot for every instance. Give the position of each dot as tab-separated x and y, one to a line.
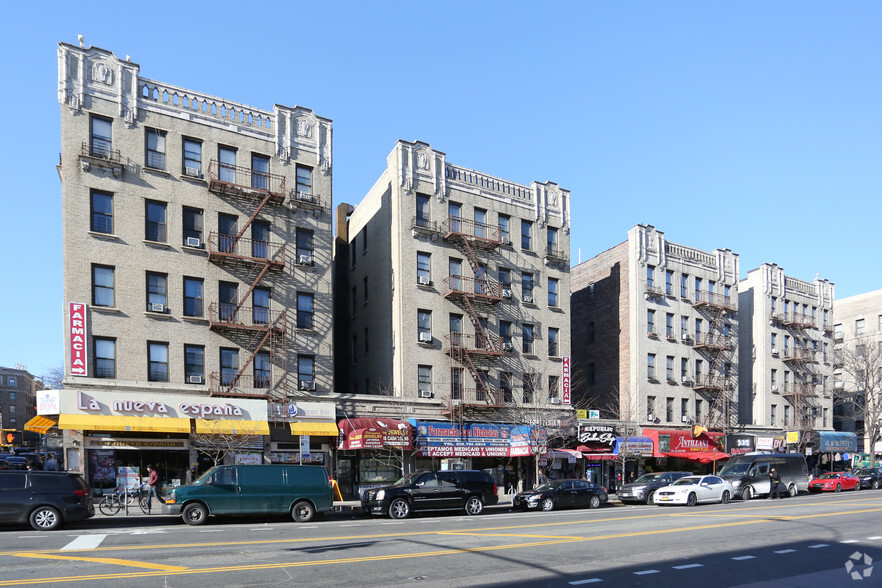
870	477
561	494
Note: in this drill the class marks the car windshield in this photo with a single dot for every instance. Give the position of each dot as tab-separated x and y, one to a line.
409	479
865	472
689	481
201	480
547	486
735	469
647	478
828	476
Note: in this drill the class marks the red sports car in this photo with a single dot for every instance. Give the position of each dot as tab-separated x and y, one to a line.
834	482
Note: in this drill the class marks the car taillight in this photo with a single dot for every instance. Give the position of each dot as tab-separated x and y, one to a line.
81	492
330	481
494	489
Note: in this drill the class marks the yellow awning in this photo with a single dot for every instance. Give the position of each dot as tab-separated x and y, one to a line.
39	424
319	429
231	427
98	422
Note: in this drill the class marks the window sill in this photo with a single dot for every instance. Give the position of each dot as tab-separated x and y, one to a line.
194	179
530	356
191	319
158	244
156	171
427	344
530	304
305	330
157	315
106	236
188	248
107	309
555	309
555	358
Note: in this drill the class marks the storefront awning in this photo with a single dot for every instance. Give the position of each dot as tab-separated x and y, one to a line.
39	424
98	422
231	427
319	429
684	445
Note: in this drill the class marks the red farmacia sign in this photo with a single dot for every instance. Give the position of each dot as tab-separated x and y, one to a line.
77	327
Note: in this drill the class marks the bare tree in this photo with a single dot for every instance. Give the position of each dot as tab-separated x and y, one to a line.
401	410
217	442
54	378
857	391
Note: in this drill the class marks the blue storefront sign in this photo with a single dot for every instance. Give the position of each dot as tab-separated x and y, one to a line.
445	439
835	442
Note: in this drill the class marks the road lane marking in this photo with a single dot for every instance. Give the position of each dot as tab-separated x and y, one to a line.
818	546
646	572
688	566
782	551
84	542
211	531
468	534
744	557
588	581
874	538
850	541
104	560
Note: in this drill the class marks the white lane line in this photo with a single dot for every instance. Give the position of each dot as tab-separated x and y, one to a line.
262	529
211	531
646	572
32	536
744	557
688	566
351	525
874	538
786	551
588	581
819	545
309	527
391	523
85	542
850	541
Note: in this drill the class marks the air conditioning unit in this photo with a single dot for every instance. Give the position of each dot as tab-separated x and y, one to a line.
528	299
425	337
155	307
192	172
774	388
425	393
194	242
554	401
307	384
305	196
685	337
686	380
507	347
305	260
775	351
194	379
423	280
506	293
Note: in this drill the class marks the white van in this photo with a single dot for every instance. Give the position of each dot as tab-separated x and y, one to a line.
749	473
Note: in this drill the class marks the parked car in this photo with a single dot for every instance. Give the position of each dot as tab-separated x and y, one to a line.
643	488
835	482
17	463
467	490
46	500
561	494
749	473
303	491
870	477
692	490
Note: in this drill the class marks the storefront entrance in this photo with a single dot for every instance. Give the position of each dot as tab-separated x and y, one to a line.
107	456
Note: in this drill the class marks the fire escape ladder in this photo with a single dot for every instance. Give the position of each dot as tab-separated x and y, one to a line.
251	288
477	269
252	217
250	359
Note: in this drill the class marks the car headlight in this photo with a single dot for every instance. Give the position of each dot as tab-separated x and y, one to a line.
735	483
381	494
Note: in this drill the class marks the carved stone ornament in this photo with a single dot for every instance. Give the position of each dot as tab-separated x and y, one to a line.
102	73
422	160
552	197
304	129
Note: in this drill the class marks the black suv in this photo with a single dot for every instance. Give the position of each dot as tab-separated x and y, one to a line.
468	490
43	499
643	488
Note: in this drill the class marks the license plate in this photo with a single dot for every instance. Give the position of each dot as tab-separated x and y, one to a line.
665	498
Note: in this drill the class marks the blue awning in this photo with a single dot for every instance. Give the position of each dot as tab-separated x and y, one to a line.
836	442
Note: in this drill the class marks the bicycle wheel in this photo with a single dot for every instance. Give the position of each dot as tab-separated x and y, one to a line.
109	506
143	501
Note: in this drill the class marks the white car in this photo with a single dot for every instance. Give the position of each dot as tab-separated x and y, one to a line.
690	490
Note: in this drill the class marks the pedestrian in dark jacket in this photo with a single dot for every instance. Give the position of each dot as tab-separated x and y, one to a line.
774	481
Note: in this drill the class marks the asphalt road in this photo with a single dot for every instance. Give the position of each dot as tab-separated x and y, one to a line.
804	541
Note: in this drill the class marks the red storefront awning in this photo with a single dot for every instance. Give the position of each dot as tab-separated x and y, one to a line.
683	445
374	433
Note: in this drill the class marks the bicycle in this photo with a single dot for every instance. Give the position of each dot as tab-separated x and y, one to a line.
111	504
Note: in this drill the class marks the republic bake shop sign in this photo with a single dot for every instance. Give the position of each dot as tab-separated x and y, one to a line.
162	405
442	439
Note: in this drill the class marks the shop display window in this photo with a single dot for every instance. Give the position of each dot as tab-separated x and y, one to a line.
377	469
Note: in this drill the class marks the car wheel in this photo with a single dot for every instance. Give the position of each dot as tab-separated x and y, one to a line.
724	499
194	514
547	504
792	490
303	512
594	501
692	500
45	518
474	506
857	486
747	493
651	498
875	484
838	488
399	509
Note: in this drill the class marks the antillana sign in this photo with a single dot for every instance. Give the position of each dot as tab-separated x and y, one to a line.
77	328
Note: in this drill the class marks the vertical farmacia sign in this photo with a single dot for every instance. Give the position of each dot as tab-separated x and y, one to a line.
77	327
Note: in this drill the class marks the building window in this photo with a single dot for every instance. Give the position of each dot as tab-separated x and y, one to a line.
773	417
650	408
155	149
228	300
786	415
699	410
591	377
192	151
551	247
591	336
650	321
529	388
305	312
698	325
527	287
456	383
353	302
684	286
424	326
505	228
354	350
505	279
194	364
260	236
669	326
192	219
422	218
669	409
155	227
304	246
698	289
506	384
554	387
650	277
650	366
226	228
103	285
669	283
259	172
157	292
424	268
352	257
454	213
455	324
698	366
306	370
227	164
774	380
260	311
102	212
684	327
262	369
229	364
505	334
526	235
684	410
101	142
480	223
669	368
552	292
684	369
424	380
157	362
553	335
367	346
859	327
11	382
304	183
105	357
193	296
364	290
837	332
364	238
527	339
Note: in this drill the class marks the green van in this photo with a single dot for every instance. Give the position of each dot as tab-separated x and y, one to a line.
301	490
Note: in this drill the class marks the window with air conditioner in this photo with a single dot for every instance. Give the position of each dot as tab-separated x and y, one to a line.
424	326
304	259
157	292
192	152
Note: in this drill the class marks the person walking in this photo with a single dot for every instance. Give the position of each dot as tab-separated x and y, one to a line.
51	464
153	487
774	480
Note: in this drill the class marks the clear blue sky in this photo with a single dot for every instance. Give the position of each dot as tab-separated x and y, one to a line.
754	126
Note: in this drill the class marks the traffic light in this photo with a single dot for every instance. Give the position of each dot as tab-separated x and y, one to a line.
12	437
